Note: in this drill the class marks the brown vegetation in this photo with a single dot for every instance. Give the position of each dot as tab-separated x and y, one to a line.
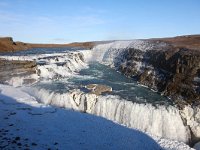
187	41
8	45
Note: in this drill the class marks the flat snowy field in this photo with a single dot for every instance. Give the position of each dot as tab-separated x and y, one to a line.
27	124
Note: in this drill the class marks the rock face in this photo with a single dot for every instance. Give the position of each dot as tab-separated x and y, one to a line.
170	66
164	66
16	68
8	45
175	72
98	89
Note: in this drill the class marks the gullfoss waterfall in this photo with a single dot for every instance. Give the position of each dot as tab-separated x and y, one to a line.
61	80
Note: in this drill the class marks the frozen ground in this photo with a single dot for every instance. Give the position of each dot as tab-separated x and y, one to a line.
26	124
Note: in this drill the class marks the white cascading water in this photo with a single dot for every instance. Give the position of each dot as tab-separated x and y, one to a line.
50	66
160	121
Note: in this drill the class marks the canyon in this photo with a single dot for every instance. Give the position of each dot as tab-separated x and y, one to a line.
168	66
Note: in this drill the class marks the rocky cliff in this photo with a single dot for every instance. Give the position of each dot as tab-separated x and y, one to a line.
8	45
17	69
170	66
172	71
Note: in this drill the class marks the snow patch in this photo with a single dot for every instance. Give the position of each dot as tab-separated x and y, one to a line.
161	121
58	123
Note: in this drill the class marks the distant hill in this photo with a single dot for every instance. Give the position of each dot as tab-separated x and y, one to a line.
187	41
8	45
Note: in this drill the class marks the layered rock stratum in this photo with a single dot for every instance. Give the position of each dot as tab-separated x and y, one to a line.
169	66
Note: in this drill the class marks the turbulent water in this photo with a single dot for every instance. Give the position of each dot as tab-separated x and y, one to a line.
62	77
97	73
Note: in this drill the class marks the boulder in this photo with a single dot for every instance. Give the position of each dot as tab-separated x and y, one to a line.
98	89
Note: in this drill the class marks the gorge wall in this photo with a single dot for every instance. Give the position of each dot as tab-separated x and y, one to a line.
174	72
171	70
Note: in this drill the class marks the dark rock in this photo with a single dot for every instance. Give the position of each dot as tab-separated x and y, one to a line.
173	71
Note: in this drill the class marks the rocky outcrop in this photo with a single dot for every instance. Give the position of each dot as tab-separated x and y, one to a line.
167	68
8	45
98	89
17	68
174	72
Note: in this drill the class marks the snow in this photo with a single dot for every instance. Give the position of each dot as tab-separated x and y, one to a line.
160	121
157	122
192	115
51	66
106	53
70	129
53	127
111	54
19	81
57	66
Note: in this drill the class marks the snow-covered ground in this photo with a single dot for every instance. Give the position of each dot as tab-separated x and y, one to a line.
49	125
25	123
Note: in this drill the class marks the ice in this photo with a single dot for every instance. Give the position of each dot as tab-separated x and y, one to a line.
192	116
161	121
56	128
106	53
51	66
48	125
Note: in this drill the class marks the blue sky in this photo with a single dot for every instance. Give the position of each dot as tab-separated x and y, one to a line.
64	21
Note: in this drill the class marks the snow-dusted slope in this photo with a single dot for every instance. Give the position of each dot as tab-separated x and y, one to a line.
57	128
161	121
